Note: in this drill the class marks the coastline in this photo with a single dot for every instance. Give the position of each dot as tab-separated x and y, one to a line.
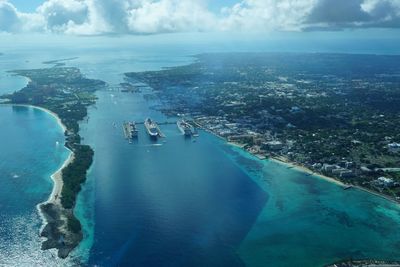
305	170
54	200
56	177
331	179
300	168
58	182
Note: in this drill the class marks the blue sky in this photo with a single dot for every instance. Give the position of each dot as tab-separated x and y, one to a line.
26	5
216	5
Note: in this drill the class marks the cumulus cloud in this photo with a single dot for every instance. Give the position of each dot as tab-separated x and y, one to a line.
158	16
60	15
170	16
9	20
13	21
355	13
260	15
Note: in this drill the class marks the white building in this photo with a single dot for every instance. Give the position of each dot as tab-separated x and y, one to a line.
385	182
273	145
394	147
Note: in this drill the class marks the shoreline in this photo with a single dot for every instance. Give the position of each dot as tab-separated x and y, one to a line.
59	122
305	170
56	177
331	179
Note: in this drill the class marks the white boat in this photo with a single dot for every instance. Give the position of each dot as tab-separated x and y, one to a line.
185	128
152	128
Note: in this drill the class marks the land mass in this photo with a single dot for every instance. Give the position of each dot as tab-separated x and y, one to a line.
332	114
66	93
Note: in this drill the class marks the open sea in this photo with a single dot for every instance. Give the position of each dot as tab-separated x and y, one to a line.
173	202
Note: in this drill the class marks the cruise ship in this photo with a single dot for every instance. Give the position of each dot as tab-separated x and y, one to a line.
152	128
185	127
130	130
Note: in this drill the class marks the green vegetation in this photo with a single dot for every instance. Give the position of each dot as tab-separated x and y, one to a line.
312	109
73	224
68	94
75	174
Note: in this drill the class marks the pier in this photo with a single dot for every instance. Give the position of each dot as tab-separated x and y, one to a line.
161	123
129	134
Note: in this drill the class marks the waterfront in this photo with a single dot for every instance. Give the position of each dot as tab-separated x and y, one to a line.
205	203
299	215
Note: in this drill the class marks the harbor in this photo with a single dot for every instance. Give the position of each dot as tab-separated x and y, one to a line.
130	130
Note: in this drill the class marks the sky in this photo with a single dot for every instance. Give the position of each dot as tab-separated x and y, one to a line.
137	17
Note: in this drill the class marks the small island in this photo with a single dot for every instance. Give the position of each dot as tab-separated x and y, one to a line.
65	93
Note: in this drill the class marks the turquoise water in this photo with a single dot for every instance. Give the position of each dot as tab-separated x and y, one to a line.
29	154
291	219
311	222
177	203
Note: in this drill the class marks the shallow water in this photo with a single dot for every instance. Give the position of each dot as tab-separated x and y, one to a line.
178	203
29	154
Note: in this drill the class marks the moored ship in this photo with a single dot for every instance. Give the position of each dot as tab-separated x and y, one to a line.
133	129
152	128
185	128
130	130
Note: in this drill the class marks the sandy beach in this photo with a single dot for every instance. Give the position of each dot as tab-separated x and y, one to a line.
58	182
55	195
49	112
330	179
303	169
57	176
307	171
44	110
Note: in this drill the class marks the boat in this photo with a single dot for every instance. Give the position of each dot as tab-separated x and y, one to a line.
133	129
152	128
185	128
130	130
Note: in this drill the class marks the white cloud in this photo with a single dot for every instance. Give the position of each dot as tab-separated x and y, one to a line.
261	15
13	21
89	17
60	15
170	16
383	11
9	20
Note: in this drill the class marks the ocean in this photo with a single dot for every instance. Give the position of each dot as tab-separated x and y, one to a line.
174	202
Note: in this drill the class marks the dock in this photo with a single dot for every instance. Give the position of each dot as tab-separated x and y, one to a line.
129	133
347	187
161	123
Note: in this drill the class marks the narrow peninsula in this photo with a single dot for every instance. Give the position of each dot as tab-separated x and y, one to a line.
67	94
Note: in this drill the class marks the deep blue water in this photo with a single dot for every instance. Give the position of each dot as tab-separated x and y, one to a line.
177	203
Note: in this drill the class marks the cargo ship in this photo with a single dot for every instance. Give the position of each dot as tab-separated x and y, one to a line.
152	128
185	128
